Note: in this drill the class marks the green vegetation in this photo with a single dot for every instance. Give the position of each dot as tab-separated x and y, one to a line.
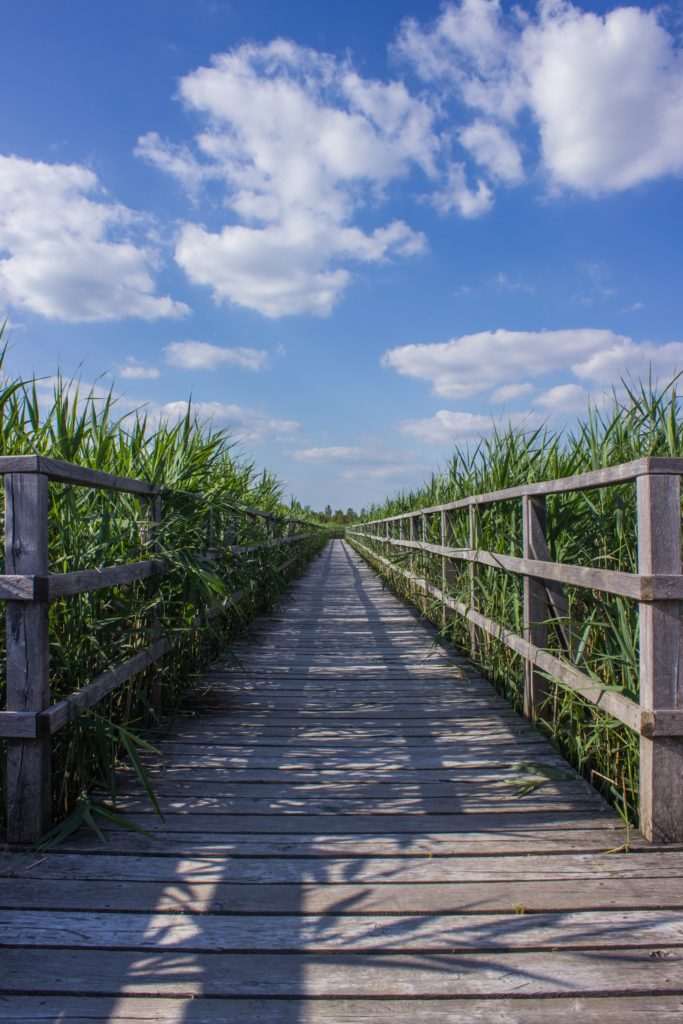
205	487
338	517
594	528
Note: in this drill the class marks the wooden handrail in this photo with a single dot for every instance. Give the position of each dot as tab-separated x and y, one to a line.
657	586
625	473
30	719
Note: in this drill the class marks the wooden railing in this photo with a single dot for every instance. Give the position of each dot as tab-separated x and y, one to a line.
28	587
657	587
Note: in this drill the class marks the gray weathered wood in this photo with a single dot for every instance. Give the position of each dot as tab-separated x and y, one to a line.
22	588
66	710
639	586
617	972
238	549
19	724
649	466
493	874
360	931
28	680
199	1009
474	540
536	609
84	580
661	658
68	473
625	710
344	841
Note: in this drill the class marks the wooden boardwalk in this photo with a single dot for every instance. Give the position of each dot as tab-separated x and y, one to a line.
344	842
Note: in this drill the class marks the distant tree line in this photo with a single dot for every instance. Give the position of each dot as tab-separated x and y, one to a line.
339	517
333	517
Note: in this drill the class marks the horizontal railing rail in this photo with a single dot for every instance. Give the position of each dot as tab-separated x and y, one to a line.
657	587
30	719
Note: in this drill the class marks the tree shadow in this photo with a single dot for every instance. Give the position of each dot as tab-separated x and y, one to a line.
304	804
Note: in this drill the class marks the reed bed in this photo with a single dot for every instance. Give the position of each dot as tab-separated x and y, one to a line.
206	485
595	528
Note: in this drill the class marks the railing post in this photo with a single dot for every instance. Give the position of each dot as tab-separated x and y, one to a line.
414	553
29	795
415	560
535	605
661	675
448	570
151	510
473	573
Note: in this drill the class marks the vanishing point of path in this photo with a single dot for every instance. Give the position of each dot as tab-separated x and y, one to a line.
344	841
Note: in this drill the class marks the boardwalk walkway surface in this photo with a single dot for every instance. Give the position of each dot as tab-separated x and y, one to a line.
343	842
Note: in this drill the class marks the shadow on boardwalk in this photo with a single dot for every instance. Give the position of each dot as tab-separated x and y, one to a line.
342	842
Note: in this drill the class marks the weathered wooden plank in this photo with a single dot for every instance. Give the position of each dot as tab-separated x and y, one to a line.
389	976
369	791
536	610
380	763
64	711
218	773
639	586
647	864
506	744
238	549
314	894
67	472
601	839
425	931
334	839
625	710
661	659
369	824
27	665
623	473
609	1009
68	583
329	803
21	588
19	724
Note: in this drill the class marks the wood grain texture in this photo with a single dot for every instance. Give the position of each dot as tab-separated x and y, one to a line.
609	1009
344	841
28	675
615	704
640	586
653	466
536	606
661	658
68	473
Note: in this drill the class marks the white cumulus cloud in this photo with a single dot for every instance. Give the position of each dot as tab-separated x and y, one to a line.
457	195
299	142
493	148
133	370
589	362
248	424
448	425
624	357
604	92
508	392
474	363
68	253
201	355
371	461
564	398
333	453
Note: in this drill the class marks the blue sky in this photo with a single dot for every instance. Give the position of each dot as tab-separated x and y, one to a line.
354	240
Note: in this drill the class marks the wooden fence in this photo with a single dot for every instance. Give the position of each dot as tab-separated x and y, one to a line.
28	587
657	587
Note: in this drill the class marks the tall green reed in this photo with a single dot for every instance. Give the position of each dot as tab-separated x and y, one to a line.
594	528
206	485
